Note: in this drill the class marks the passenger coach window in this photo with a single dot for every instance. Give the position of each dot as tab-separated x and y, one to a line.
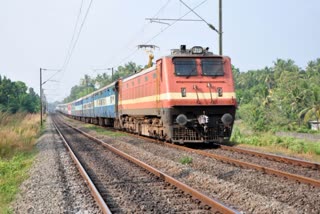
212	67
185	67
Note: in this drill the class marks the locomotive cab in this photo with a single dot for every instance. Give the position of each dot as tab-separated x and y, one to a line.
185	97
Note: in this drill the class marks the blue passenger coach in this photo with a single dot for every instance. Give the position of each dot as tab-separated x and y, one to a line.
105	105
77	108
99	107
87	106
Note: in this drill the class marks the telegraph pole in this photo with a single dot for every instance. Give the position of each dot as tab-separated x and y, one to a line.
41	97
41	91
111	73
220	27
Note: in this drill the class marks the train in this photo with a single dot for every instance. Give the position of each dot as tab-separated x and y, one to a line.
185	97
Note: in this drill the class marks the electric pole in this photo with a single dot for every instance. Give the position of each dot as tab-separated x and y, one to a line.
41	97
41	91
220	27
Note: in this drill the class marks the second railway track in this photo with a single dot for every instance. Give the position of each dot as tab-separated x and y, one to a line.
291	168
128	188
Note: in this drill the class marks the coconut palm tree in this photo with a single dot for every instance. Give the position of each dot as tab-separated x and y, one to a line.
313	111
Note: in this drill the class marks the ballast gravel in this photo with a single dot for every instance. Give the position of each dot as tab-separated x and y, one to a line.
246	190
54	185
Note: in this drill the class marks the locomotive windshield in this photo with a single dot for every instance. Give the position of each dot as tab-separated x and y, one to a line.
212	67
185	67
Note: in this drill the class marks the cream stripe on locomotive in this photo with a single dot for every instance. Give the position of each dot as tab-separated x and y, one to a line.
177	96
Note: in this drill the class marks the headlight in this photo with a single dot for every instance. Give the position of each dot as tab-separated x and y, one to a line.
182	119
197	50
203	119
227	119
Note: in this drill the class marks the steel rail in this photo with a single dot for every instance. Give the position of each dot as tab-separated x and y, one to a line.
279	158
215	204
94	191
267	170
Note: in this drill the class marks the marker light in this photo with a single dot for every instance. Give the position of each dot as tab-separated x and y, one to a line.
197	50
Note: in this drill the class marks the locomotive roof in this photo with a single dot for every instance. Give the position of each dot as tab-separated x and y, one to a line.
194	55
139	73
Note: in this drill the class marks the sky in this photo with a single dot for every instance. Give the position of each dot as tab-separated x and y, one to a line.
37	34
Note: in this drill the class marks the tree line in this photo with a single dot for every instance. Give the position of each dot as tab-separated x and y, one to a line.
17	97
283	96
89	84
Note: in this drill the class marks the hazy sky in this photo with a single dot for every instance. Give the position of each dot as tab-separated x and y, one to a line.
37	33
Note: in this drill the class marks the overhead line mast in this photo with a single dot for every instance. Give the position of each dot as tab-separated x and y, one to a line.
160	21
220	27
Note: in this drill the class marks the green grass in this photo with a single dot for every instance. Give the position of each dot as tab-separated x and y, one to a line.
12	173
103	131
18	134
185	160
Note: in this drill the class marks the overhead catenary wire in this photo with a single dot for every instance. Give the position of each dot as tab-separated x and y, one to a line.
70	44
159	33
50	78
74	33
181	17
65	65
138	33
145	25
74	39
192	10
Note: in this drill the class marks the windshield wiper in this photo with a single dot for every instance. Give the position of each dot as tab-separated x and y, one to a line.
189	74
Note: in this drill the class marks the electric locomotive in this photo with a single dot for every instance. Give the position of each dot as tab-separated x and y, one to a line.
186	97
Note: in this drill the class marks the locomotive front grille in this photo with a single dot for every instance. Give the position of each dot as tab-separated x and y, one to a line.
183	134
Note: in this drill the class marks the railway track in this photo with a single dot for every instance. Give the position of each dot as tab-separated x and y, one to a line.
295	174
294	169
273	157
121	183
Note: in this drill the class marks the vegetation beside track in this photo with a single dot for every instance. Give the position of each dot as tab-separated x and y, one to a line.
103	131
185	160
19	133
15	97
283	97
275	144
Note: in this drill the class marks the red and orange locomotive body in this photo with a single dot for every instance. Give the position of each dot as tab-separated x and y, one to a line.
187	96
